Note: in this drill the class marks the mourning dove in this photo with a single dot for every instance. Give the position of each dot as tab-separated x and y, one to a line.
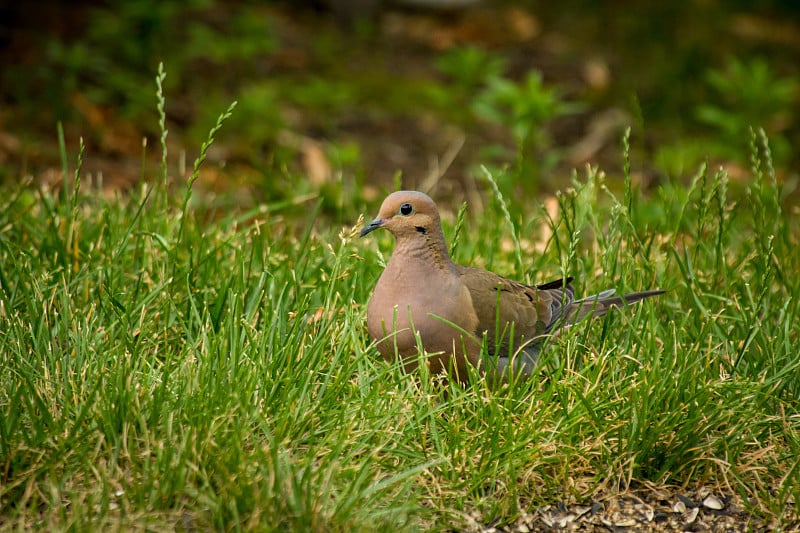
454	308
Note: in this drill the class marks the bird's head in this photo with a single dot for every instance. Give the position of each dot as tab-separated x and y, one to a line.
406	213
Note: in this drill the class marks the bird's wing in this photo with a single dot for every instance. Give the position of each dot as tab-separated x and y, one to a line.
502	304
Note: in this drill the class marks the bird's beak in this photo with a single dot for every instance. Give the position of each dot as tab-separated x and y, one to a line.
372	226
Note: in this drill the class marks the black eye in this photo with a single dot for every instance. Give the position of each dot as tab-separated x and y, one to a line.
406	209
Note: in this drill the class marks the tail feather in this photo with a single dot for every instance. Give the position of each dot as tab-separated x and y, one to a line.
599	296
601	303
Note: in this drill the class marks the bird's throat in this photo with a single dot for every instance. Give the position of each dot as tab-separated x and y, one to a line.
419	252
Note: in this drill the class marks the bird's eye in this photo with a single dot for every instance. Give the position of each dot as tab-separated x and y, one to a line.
406	209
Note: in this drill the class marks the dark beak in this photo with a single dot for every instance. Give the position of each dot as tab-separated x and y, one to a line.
372	226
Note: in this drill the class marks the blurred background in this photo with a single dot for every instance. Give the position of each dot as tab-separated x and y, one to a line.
348	98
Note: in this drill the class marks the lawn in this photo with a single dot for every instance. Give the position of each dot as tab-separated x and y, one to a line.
166	365
183	291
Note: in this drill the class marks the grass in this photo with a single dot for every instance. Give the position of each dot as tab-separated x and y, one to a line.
166	366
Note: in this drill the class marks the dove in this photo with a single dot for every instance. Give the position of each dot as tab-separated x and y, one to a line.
425	300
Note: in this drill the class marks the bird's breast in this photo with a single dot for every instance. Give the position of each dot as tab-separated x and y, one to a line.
438	307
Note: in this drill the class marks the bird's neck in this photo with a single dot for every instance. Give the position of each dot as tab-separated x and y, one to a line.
425	249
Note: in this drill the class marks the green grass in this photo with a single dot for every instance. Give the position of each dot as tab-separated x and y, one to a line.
167	366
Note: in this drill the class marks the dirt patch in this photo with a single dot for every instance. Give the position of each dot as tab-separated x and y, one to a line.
648	508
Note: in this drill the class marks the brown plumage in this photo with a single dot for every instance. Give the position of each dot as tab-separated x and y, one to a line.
454	307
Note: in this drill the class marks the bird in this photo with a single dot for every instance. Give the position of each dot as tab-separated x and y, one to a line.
460	315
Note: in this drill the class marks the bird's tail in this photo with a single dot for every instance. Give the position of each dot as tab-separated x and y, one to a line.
601	303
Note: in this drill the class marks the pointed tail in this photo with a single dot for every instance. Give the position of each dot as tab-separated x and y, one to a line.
601	303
